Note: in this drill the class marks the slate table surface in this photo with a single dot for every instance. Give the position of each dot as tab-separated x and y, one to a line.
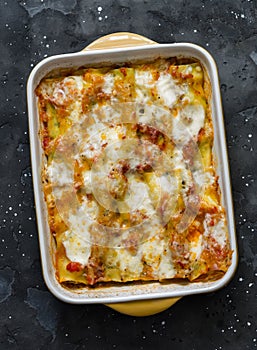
30	317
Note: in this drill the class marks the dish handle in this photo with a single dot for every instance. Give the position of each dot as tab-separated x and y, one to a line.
119	40
141	308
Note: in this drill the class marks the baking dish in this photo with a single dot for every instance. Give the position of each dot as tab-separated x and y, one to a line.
125	293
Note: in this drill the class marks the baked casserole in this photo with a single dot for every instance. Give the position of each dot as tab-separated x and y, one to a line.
129	177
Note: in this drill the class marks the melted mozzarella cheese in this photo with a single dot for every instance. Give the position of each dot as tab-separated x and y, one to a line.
153	250
88	209
218	231
78	240
130	264
108	113
91	146
203	178
60	174
66	89
149	249
189	69
188	123
144	83
155	116
101	135
168	183
193	116
79	82
77	248
76	111
87	181
182	172
82	217
108	83
168	90
141	96
166	267
47	89
144	78
196	248
139	198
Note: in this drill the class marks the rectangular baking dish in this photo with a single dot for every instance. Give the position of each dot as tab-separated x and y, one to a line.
128	292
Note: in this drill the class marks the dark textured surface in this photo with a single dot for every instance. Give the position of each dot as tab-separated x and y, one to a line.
30	317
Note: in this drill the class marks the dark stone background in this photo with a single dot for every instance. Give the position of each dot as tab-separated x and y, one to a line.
30	317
